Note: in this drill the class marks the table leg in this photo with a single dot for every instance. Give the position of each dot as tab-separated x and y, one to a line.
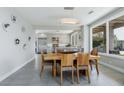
97	67
54	68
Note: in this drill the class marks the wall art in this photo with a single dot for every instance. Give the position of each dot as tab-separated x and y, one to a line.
24	46
5	26
29	38
13	18
17	41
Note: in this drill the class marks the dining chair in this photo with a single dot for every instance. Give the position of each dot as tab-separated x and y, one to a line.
51	58
44	62
82	64
66	61
94	62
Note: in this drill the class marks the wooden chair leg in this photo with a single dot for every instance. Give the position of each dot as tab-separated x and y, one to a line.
88	74
61	76
77	75
91	66
42	69
56	69
72	74
97	68
68	73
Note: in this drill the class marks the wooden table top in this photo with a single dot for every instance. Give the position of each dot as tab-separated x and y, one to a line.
68	52
57	56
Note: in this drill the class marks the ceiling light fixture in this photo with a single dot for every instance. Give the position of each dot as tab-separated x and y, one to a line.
69	21
91	12
68	8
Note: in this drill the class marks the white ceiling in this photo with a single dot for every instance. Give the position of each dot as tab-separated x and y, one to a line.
49	17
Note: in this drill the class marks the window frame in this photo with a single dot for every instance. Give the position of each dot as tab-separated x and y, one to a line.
107	37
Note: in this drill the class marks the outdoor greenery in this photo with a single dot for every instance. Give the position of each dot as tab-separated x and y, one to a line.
97	41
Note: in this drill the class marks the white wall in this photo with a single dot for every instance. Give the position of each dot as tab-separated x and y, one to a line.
113	62
12	56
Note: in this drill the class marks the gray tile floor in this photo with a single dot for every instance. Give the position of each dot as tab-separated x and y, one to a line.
28	76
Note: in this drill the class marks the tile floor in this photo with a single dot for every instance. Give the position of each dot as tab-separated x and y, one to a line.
29	76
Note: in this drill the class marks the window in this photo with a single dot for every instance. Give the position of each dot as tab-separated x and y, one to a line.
99	38
116	36
74	38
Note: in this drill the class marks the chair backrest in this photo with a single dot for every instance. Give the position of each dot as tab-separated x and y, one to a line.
67	59
94	52
44	51
83	59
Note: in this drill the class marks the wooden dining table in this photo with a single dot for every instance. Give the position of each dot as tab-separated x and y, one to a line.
57	56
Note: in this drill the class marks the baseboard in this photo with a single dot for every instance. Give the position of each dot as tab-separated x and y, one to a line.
16	69
113	67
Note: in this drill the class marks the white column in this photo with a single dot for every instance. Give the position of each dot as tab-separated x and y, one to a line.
91	38
86	36
111	38
107	37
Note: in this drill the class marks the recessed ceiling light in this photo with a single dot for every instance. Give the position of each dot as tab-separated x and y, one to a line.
91	12
68	8
69	21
